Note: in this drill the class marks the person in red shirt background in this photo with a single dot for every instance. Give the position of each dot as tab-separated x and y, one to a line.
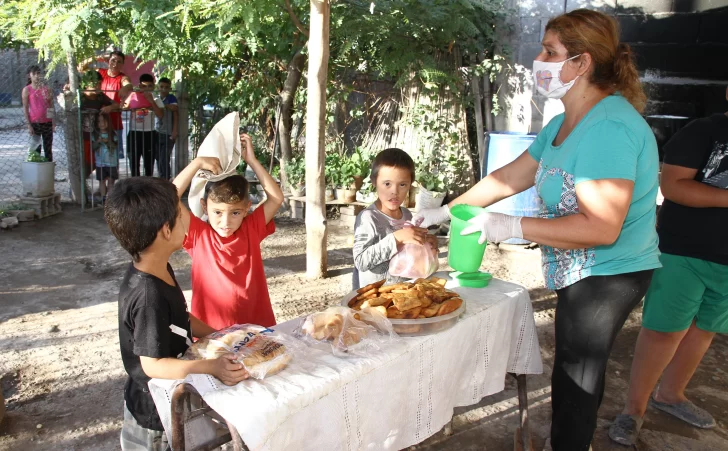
228	278
117	86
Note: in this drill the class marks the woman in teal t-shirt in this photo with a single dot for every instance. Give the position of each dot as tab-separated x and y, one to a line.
595	169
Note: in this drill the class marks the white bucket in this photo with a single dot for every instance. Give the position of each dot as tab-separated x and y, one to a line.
37	179
428	199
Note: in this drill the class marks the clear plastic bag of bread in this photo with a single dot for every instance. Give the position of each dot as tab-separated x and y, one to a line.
262	351
348	332
414	261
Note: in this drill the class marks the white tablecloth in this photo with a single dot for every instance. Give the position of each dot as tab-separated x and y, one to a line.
391	401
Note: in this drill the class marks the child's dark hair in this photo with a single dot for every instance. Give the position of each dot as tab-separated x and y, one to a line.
118	53
148	78
228	191
393	157
34	69
137	209
164	80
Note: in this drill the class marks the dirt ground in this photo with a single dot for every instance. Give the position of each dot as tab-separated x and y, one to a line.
62	376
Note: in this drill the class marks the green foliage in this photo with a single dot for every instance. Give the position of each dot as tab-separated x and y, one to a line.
296	172
367	187
347	172
332	169
361	165
35	157
397	37
431	175
234	54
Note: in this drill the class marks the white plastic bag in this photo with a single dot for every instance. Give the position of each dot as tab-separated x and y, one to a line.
262	351
347	332
425	199
414	261
34	143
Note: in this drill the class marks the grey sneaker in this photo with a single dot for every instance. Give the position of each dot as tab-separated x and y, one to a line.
625	429
686	411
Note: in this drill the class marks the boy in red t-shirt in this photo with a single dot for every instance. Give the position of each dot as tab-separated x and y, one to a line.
228	279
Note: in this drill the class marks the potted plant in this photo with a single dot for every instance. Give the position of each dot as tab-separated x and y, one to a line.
347	172
332	175
37	176
296	176
366	194
361	167
432	184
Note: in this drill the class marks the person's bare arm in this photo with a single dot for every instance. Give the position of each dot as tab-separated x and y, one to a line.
172	107
199	328
513	178
678	185
274	195
26	111
158	111
84	65
184	178
603	207
224	368
111	108
126	87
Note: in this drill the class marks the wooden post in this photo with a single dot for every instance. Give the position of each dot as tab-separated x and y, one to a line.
318	62
181	147
478	107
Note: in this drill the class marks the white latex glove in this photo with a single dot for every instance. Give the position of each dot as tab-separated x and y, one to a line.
494	227
432	216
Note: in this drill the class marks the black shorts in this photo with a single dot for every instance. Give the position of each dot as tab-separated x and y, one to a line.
107	172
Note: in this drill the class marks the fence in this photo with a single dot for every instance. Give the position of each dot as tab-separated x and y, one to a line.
15	143
139	148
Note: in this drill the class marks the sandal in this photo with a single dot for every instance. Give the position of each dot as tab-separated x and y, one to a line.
625	429
686	411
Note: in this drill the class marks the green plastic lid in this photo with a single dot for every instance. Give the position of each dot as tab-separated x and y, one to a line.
472	279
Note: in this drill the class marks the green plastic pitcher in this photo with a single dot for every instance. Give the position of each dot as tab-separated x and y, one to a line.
465	254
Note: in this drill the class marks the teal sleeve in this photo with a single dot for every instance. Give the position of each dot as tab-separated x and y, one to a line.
544	137
607	151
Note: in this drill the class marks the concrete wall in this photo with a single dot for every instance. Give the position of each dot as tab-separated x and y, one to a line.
681	49
14	69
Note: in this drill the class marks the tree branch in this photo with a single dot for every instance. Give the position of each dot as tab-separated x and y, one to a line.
295	20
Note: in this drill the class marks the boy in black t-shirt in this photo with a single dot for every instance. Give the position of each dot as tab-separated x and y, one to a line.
687	303
155	328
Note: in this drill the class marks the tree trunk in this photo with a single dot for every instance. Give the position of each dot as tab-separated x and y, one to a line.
288	96
74	143
182	145
478	108
318	61
488	97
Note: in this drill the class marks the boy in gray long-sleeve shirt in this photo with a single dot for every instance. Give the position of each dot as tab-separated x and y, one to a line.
377	232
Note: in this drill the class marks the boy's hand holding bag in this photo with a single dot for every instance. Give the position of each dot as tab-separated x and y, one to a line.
414	261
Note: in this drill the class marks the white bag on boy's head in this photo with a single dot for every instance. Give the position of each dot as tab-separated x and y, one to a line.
222	142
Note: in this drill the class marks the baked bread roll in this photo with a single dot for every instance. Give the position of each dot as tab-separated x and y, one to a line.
323	325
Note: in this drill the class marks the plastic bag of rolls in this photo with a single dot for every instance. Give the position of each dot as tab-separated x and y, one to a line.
262	351
347	332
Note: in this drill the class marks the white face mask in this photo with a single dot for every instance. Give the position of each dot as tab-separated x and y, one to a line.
547	77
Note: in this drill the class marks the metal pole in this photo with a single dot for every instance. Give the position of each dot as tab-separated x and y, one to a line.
80	135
